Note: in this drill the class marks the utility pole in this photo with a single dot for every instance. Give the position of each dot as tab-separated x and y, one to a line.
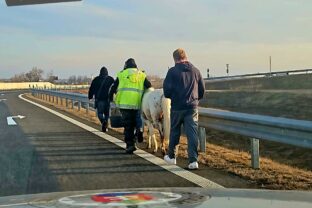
270	65
227	69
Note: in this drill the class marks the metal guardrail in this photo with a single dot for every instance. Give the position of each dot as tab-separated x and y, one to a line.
283	130
277	129
39	85
267	74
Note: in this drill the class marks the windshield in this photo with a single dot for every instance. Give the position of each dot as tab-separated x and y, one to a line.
230	108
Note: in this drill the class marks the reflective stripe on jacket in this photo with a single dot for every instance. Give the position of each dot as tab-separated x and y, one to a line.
130	89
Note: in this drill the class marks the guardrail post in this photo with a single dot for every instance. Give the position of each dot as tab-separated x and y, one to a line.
61	100
202	139
57	98
79	105
66	102
87	108
255	163
72	104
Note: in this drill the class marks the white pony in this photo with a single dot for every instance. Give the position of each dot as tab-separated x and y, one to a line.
156	114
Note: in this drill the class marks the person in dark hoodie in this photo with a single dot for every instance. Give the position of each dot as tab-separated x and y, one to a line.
184	85
129	87
99	89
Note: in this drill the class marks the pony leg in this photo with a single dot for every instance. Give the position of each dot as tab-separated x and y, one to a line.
150	134
155	143
149	143
162	141
152	137
166	106
177	151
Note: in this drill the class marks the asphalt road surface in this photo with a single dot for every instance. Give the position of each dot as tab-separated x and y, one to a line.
46	153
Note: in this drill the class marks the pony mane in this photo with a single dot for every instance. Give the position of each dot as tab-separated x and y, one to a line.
149	89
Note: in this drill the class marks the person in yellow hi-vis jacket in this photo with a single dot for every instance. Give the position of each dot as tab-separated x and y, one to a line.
129	87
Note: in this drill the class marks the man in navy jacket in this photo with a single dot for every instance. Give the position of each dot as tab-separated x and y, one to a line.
99	90
184	85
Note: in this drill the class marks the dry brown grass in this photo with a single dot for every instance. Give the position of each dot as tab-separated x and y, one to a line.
272	175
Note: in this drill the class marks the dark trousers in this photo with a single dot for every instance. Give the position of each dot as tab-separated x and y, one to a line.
103	110
139	122
129	118
189	119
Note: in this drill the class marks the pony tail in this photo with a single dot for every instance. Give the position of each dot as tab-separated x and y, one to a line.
166	106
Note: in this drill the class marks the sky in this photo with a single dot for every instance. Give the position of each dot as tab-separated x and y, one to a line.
78	38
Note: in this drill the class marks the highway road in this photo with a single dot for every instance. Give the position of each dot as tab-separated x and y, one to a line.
47	151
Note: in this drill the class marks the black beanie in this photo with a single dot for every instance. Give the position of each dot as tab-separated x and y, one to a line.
130	63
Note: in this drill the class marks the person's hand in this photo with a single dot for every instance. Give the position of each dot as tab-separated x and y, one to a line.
112	104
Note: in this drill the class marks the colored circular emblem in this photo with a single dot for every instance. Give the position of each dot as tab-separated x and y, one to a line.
114	199
127	198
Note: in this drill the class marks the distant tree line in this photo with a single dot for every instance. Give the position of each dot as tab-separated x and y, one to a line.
79	80
156	81
36	75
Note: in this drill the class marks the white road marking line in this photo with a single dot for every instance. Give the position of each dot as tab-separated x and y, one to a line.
2	100
9	205
11	121
192	177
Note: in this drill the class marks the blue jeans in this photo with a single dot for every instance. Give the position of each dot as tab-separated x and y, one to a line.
103	110
189	119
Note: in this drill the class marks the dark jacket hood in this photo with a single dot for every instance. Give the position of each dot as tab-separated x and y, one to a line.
103	72
184	66
130	63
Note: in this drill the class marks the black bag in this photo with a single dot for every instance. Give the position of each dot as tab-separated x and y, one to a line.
116	122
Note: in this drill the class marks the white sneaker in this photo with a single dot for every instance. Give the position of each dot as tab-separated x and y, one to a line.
193	166
171	161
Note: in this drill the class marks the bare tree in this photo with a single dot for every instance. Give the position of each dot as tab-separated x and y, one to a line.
35	75
156	81
79	79
51	77
19	78
72	79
